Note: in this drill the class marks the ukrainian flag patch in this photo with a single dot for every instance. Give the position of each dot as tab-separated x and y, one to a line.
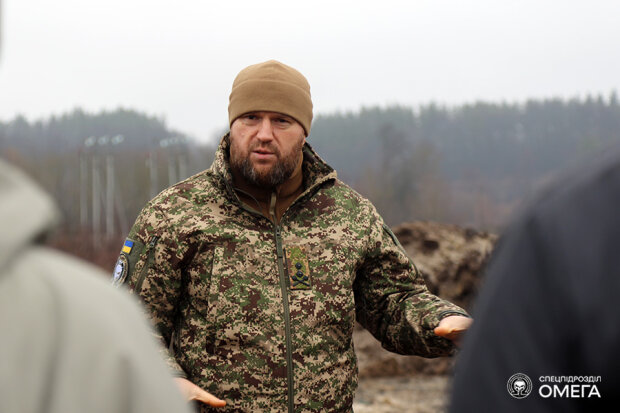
127	246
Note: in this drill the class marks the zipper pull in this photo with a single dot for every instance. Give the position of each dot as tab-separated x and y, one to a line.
279	249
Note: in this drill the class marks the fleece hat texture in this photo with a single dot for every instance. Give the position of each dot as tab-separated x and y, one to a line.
272	87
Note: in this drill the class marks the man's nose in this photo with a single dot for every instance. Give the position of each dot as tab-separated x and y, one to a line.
265	129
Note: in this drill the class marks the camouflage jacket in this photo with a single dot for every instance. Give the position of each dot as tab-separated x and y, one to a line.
262	314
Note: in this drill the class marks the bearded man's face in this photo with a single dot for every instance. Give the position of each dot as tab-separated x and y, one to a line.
265	147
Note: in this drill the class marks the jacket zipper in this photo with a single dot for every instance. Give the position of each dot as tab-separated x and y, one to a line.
287	314
287	319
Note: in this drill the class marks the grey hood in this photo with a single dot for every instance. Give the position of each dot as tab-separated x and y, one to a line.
26	212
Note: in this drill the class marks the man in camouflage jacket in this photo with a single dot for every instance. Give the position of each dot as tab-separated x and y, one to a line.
255	281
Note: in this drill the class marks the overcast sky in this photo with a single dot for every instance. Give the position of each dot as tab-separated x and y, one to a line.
177	59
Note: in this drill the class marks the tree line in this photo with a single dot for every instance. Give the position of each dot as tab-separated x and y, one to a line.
470	165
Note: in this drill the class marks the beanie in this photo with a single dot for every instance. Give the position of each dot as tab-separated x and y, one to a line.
273	87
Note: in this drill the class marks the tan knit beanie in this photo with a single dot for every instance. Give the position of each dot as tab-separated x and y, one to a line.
273	87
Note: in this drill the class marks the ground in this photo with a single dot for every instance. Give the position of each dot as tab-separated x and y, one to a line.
416	394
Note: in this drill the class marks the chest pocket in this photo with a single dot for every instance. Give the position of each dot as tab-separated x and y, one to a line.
199	279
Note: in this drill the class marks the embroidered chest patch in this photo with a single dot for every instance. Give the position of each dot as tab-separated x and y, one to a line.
298	269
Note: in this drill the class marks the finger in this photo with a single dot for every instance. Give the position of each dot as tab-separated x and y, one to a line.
451	333
207	398
192	392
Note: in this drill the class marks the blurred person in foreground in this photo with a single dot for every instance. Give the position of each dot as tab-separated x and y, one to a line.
547	329
71	343
256	269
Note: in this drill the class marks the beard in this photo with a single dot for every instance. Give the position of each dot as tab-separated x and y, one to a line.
272	177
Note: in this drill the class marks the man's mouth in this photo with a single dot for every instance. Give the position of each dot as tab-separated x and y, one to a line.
264	153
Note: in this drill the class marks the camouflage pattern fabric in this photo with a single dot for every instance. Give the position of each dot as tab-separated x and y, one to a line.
261	314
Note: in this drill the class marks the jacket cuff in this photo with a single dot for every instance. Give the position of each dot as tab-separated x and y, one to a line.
445	314
433	321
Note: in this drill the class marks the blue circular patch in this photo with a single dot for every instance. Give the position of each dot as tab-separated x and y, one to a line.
120	270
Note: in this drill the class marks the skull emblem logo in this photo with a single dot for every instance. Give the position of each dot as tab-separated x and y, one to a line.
519	386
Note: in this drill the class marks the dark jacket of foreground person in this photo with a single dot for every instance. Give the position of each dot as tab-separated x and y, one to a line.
549	306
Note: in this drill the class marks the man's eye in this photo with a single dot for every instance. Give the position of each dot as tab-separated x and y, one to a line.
249	119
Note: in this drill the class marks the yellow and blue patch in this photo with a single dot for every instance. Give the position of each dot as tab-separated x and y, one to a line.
127	246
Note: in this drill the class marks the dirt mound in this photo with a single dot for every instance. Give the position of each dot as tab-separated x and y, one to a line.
419	394
451	259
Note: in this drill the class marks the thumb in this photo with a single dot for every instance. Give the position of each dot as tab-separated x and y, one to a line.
453	328
453	334
442	331
207	398
192	392
448	331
